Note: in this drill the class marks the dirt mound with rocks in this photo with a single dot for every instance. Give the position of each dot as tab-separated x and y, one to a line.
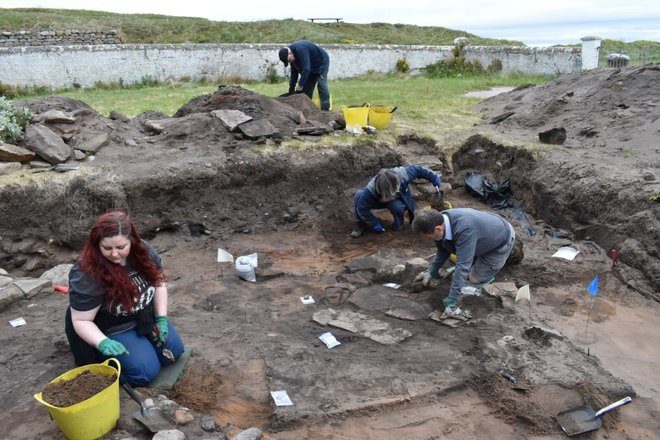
602	181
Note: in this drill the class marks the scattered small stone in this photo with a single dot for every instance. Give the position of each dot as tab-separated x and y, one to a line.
554	136
208	424
183	417
649	176
171	434
249	434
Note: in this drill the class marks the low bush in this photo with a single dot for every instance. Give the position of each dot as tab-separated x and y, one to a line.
12	121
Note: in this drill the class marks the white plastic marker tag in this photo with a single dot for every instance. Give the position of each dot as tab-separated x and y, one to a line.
392	285
307	299
566	252
17	322
523	293
281	398
329	340
252	259
224	256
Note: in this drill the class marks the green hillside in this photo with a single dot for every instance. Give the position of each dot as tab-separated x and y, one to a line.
148	28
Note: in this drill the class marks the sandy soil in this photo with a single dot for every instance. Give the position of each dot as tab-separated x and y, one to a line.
294	209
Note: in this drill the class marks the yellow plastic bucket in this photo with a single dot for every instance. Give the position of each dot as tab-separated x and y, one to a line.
356	116
380	117
91	418
317	101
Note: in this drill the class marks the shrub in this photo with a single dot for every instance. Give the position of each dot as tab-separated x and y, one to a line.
12	121
272	75
402	65
149	81
8	91
495	66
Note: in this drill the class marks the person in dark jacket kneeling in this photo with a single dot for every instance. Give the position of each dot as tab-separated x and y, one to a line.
389	189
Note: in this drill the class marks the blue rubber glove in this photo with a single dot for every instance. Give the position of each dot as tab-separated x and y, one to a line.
162	324
378	228
110	347
437	182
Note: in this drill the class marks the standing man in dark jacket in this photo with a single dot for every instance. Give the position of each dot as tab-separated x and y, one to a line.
483	243
309	66
389	189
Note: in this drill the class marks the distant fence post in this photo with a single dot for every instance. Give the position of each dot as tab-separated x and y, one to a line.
590	46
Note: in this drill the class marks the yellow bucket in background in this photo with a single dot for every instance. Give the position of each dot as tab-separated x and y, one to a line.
356	116
91	418
380	117
317	101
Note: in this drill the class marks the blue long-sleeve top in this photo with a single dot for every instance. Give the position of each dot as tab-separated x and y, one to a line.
369	199
309	58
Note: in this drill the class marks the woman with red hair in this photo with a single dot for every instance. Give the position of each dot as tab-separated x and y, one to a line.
118	302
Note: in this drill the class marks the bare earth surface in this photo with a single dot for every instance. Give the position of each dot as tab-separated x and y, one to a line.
195	187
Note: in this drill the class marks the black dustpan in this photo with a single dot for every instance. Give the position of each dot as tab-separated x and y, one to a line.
584	419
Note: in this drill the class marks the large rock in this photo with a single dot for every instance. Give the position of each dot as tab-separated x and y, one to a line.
231	118
58	275
257	129
13	153
94	144
56	117
46	143
33	286
10	294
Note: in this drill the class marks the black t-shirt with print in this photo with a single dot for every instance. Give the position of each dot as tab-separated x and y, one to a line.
85	294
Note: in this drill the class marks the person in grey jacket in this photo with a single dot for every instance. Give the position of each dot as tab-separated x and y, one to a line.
482	242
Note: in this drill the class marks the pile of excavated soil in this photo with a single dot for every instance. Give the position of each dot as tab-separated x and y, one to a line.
600	183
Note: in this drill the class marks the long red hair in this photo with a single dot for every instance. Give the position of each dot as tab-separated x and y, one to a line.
112	277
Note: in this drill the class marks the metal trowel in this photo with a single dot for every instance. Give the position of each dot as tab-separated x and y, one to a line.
151	417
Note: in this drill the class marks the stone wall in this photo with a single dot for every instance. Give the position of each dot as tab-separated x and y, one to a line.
66	66
53	38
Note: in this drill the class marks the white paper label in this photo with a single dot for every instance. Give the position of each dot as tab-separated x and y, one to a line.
329	340
567	253
392	285
17	322
281	398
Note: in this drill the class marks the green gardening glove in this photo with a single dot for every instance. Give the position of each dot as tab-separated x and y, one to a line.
162	324
110	347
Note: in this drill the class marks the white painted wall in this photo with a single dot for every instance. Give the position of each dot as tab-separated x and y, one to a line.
64	66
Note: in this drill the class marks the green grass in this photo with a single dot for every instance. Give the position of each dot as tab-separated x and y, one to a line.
151	28
432	107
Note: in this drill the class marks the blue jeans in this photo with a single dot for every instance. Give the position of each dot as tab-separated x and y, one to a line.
396	207
321	81
144	359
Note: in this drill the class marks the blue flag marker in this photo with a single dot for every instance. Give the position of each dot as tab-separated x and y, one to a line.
593	286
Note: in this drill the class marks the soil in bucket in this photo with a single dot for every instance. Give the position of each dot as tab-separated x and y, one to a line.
70	392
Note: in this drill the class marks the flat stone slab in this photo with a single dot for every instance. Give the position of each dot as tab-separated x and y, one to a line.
94	144
257	129
501	289
231	118
14	153
170	374
391	301
437	315
363	325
